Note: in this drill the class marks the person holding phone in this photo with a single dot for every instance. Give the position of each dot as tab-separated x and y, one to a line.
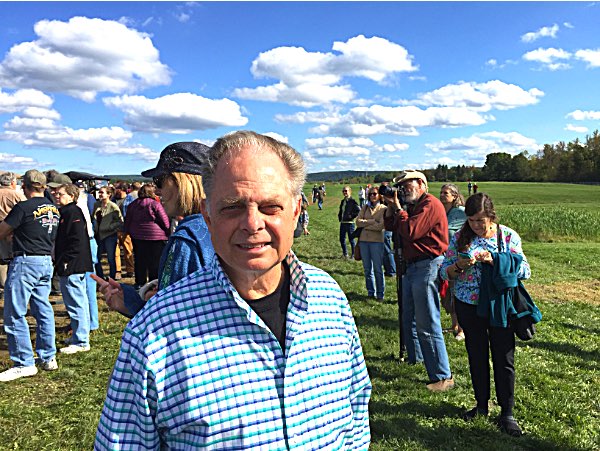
473	246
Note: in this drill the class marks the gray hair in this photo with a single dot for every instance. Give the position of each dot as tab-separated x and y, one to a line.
231	143
6	178
459	200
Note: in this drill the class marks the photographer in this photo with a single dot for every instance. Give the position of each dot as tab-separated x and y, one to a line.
423	228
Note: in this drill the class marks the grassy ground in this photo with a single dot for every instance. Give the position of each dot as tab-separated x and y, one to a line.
557	398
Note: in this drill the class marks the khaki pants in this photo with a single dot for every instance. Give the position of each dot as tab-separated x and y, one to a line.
125	241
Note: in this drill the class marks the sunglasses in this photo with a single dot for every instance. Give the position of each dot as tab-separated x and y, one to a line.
159	180
373	194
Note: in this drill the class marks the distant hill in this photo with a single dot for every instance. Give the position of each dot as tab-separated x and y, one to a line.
332	176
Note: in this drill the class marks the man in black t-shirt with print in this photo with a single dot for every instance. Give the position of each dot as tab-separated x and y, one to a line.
33	224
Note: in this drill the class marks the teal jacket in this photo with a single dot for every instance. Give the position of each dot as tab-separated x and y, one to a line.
495	291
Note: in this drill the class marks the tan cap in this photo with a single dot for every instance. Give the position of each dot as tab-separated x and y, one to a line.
34	178
410	175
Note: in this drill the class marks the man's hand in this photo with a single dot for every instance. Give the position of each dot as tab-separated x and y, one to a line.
113	294
393	202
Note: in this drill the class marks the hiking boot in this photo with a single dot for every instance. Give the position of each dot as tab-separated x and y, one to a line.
50	365
17	372
73	349
443	385
475	412
509	426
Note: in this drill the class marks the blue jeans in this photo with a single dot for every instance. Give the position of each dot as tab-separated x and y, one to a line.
90	286
346	228
320	204
389	263
74	293
421	322
109	246
372	260
28	282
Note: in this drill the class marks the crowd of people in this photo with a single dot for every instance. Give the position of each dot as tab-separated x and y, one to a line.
223	314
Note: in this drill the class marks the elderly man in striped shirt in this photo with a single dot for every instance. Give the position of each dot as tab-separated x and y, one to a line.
257	352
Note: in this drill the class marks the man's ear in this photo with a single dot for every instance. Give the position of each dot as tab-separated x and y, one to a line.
297	207
204	211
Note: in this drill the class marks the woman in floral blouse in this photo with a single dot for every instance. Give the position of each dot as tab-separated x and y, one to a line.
470	248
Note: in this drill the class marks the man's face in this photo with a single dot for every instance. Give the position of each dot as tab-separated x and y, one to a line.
346	191
252	214
412	190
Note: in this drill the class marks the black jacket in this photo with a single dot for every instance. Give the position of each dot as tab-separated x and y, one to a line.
72	247
350	212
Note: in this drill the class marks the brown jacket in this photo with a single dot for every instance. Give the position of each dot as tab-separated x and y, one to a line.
371	219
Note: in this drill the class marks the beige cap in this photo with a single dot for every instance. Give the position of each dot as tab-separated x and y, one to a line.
410	175
34	178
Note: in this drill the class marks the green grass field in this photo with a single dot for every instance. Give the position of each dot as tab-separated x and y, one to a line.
558	382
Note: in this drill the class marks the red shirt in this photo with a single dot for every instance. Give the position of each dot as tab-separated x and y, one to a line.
424	228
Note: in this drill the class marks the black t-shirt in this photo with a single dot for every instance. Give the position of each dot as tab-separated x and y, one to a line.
272	309
35	223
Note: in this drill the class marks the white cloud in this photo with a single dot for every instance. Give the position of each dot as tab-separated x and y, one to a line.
494	94
550	58
541	33
402	120
277	136
491	62
177	113
568	25
394	147
9	161
476	147
313	78
579	115
576	128
592	57
82	57
332	146
23	99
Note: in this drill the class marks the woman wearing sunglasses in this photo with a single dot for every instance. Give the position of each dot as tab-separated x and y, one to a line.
189	248
371	245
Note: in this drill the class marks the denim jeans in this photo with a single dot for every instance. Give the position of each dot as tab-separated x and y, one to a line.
320	204
109	246
90	286
372	260
346	228
28	282
74	293
389	263
421	322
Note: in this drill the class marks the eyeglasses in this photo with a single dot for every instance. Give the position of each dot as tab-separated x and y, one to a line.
373	194
344	191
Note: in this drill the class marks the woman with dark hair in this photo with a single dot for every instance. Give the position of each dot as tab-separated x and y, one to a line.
453	203
482	241
148	225
189	248
108	221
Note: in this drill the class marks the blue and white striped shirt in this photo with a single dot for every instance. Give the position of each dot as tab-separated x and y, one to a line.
198	368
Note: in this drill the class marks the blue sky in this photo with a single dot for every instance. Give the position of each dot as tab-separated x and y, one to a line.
105	86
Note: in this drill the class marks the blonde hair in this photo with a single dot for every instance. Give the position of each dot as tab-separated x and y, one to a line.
190	191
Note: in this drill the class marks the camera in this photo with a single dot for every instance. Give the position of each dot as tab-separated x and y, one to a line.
388	191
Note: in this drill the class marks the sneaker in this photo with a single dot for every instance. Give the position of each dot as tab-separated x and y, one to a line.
17	372
73	349
459	336
50	365
443	385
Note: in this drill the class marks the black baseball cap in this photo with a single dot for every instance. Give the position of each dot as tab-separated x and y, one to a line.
183	157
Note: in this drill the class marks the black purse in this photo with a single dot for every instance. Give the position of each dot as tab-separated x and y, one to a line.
522	324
